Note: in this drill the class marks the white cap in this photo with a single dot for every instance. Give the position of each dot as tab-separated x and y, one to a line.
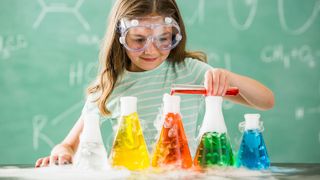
171	103
252	121
128	105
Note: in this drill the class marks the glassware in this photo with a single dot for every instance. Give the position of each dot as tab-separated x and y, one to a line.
129	147
91	153
214	147
253	151
197	89
172	146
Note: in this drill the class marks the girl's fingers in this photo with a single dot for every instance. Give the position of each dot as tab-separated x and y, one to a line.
215	82
208	82
222	84
45	162
226	86
68	159
39	161
54	160
65	159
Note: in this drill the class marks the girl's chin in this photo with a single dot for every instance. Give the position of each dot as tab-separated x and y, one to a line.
149	67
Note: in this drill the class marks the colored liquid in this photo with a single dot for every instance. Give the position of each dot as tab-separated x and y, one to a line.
172	147
252	152
230	92
129	147
214	149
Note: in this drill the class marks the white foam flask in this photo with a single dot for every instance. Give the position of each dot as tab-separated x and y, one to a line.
91	153
213	120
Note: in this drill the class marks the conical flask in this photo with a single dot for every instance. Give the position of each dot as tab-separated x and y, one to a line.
129	147
214	147
172	146
252	152
91	153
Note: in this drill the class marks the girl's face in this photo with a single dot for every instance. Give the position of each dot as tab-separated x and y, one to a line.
148	59
151	56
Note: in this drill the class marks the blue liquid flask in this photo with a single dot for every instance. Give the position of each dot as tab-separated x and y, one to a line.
252	152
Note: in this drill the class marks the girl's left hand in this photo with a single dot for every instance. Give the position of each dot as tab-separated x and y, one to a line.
216	81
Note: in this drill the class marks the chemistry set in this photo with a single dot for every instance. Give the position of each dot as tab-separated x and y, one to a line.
129	148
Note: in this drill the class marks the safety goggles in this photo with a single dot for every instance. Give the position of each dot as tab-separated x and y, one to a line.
138	33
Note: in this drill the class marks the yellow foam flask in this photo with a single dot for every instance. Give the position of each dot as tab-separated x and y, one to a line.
129	147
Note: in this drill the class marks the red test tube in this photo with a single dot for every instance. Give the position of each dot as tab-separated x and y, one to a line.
198	89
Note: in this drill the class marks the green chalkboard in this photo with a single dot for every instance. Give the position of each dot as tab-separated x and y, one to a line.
49	51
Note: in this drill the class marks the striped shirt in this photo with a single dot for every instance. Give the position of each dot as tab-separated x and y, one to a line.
149	88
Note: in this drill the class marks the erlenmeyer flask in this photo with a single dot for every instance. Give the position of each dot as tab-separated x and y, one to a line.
172	146
252	152
214	147
129	147
91	153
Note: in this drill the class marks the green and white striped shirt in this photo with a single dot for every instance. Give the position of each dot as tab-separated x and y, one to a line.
149	88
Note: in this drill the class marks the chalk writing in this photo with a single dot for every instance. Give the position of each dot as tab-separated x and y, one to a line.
80	73
39	122
303	28
11	43
300	112
252	4
87	39
198	15
61	8
276	53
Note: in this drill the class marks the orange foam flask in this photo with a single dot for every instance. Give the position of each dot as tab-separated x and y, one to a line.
172	146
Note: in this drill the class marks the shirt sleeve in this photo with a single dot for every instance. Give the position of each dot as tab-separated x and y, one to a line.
90	106
200	69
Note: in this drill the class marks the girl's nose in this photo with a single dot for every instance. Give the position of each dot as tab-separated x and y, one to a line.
151	47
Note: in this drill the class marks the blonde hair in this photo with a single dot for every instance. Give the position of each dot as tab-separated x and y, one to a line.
113	58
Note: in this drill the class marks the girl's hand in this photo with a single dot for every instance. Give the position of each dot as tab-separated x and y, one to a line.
217	82
60	155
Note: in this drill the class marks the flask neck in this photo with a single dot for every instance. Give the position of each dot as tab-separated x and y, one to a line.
91	129
252	121
128	105
171	104
213	119
214	103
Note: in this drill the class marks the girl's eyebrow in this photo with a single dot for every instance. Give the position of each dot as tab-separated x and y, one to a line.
166	33
138	35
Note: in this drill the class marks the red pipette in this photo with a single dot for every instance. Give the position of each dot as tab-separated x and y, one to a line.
198	89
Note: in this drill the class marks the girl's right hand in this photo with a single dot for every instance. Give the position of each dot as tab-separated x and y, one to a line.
61	154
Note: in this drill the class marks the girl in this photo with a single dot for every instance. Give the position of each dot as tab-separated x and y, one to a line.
143	53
